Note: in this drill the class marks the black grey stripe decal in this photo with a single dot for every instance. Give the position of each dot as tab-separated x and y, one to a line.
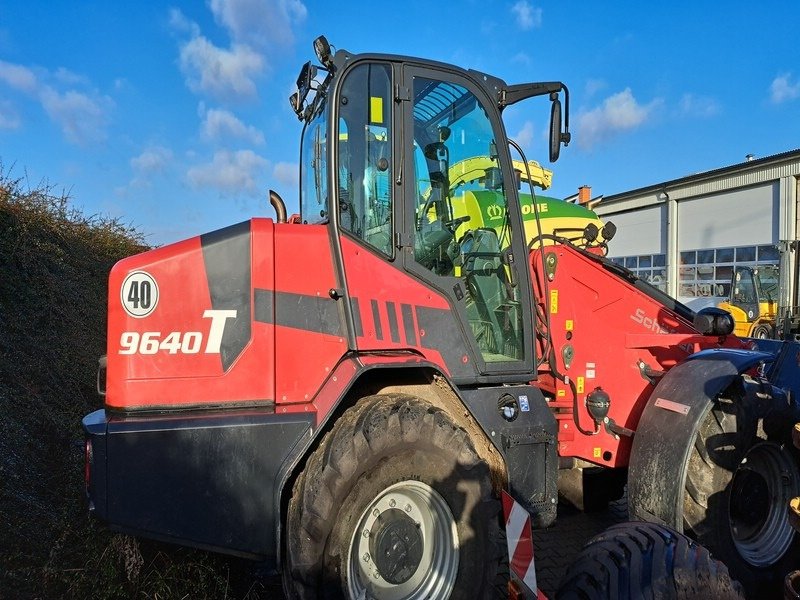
443	334
354	307
226	254
376	319
298	311
408	324
392	312
264	306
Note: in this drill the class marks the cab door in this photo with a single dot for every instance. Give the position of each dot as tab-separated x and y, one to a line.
744	294
464	241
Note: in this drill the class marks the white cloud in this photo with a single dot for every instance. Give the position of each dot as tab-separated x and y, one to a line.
82	116
18	77
522	58
524	136
783	89
221	124
594	86
181	24
698	106
9	119
527	16
620	112
230	173
221	73
259	23
257	29
287	173
154	159
67	77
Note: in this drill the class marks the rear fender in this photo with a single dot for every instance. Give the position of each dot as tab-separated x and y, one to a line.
354	377
668	426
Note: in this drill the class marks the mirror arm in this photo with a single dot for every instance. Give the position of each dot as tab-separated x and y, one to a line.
514	93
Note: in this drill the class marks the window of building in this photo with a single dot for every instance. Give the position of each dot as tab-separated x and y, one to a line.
707	273
702	273
649	267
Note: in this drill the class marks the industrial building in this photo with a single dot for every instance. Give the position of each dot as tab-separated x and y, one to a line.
687	235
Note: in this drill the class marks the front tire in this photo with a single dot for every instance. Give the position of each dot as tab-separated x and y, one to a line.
738	487
645	560
394	504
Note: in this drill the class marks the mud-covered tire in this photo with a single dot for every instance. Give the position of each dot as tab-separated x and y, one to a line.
646	560
728	507
384	446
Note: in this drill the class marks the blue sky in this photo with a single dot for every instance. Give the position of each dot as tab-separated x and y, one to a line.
174	116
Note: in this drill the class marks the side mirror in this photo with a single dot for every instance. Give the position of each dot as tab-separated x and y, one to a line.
323	51
555	129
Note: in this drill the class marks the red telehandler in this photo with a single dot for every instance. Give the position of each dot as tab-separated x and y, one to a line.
345	393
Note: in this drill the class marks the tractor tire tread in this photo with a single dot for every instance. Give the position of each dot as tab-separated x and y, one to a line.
646	560
361	435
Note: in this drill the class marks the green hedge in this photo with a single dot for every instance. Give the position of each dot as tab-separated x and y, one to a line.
54	264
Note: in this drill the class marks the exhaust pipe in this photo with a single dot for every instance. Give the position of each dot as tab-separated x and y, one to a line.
278	205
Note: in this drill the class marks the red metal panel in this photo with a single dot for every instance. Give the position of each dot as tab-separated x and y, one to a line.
173	356
309	333
602	327
387	299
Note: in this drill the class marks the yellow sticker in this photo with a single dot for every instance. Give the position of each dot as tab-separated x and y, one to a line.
457	271
553	302
568	325
376	109
596	452
579	385
562	393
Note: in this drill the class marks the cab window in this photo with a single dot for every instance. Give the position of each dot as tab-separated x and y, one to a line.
364	156
460	220
313	166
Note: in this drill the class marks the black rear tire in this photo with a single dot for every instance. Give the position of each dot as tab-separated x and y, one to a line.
737	492
645	560
387	448
764	331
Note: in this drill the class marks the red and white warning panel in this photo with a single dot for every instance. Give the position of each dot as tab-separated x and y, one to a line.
519	541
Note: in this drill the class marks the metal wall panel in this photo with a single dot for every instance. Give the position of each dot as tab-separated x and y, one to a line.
741	216
640	231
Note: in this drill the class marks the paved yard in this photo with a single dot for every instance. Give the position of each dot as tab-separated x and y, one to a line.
555	548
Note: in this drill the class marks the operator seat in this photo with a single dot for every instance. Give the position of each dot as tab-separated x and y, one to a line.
488	286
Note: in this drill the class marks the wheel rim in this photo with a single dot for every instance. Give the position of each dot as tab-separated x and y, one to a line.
761	488
404	547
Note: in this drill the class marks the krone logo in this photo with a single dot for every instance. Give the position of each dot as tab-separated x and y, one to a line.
494	212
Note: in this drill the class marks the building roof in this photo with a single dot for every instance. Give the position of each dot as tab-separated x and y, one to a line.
714	173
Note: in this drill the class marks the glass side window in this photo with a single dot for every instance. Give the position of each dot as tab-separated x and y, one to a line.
744	291
460	218
313	166
365	160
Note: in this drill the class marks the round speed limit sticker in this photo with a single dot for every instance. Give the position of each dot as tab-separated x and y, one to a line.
139	294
